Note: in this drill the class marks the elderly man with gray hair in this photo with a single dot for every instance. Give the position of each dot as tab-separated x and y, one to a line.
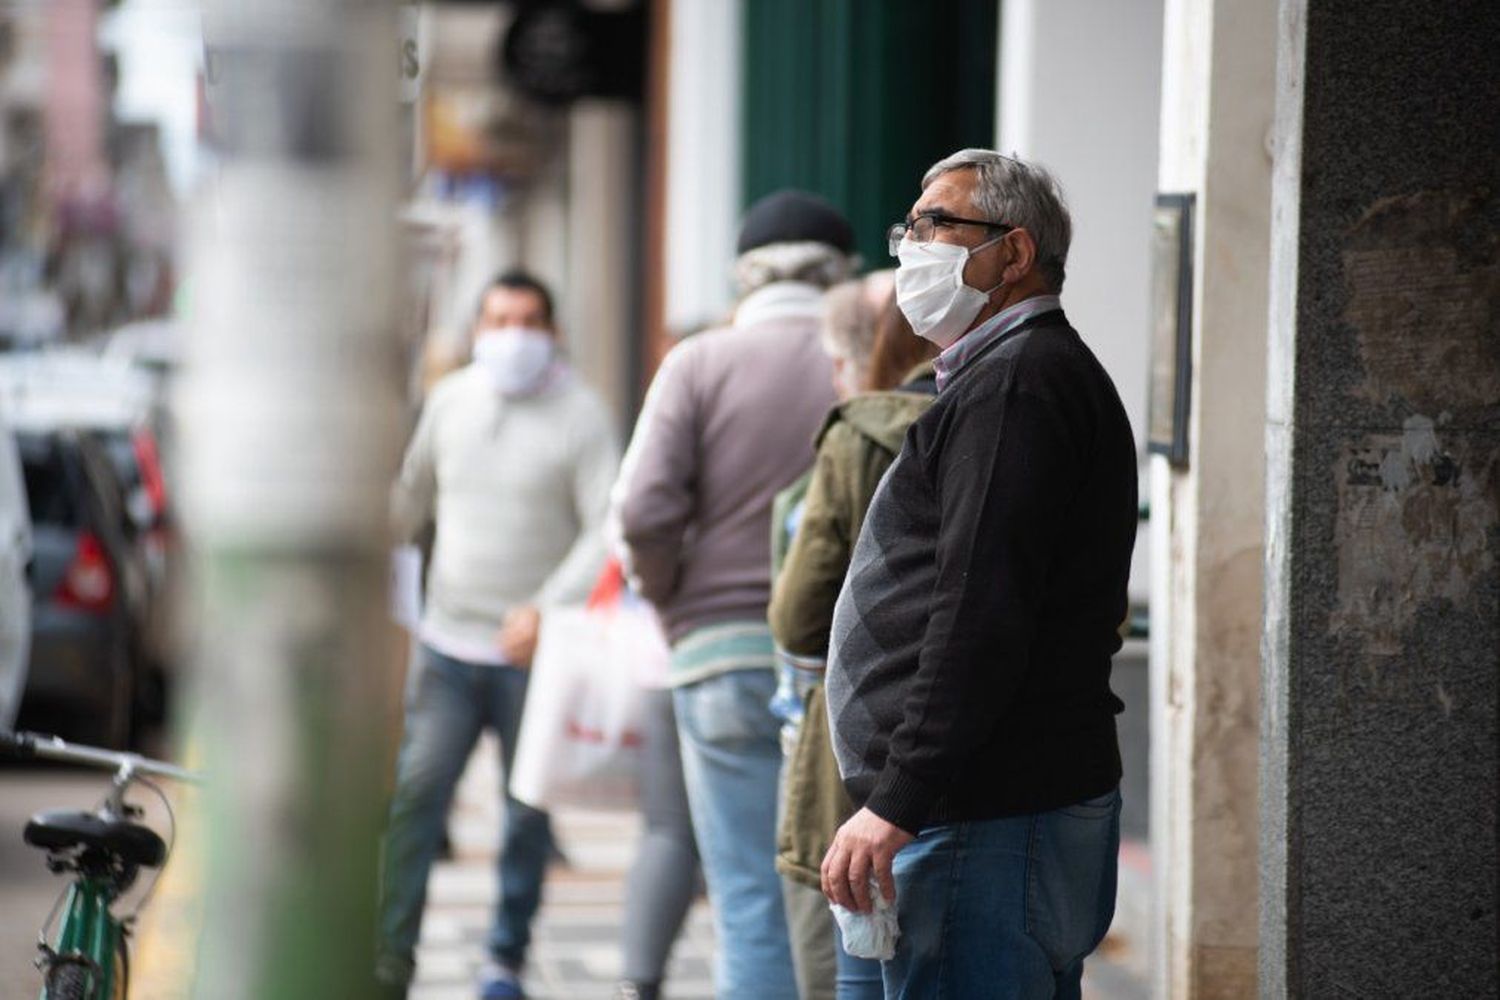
728	423
968	677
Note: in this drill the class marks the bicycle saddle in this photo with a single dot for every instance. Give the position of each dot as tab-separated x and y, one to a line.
131	842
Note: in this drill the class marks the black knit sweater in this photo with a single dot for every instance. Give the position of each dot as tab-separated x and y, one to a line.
970	656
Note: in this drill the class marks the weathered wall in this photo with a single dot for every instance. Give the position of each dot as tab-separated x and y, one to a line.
1207	521
703	160
1077	77
1383	595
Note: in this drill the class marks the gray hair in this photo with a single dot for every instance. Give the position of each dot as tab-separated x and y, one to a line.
1020	194
849	320
802	260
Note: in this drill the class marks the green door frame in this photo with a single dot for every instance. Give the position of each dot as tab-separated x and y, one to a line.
854	99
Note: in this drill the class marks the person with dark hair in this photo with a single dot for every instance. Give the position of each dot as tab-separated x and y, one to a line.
517	280
892	385
511	462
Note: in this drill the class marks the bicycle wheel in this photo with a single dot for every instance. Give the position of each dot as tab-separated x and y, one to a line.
67	981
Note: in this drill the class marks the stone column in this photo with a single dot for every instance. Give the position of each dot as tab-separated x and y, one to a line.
702	192
290	411
1206	525
1382	632
603	280
1076	78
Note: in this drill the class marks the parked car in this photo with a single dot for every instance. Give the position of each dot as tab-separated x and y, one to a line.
135	454
15	590
88	666
89	428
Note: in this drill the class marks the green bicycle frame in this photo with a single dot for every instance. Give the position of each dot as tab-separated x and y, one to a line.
89	931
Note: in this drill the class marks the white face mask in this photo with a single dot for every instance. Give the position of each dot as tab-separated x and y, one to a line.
515	358
931	292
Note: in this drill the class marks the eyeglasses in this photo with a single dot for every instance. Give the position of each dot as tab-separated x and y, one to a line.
921	229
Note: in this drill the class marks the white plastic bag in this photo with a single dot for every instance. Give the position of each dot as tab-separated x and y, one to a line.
873	934
636	643
581	741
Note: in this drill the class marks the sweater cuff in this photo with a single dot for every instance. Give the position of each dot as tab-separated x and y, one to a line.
901	799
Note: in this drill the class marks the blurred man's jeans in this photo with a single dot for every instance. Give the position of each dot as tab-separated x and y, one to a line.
449	704
731	760
1008	908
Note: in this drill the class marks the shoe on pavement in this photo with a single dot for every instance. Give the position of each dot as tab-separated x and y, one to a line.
499	982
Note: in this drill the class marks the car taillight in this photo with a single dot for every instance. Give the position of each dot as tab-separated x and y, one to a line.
89	583
148	460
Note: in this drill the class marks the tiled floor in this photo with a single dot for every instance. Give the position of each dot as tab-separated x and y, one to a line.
576	954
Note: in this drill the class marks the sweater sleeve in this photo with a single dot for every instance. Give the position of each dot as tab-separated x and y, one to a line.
595	462
801	610
1003	470
415	490
656	493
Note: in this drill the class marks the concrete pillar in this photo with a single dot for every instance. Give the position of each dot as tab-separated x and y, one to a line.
537	223
603	246
1079	92
1206	528
1382	634
703	160
289	410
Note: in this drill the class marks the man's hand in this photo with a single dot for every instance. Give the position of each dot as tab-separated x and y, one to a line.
863	845
518	633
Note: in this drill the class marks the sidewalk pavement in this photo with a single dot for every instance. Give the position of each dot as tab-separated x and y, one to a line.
575	954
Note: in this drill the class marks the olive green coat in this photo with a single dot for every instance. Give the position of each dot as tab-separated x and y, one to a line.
858	443
856	446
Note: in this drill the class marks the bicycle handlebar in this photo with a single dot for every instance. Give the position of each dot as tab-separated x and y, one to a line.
25	745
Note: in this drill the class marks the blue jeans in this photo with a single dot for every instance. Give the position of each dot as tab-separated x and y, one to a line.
858	978
1007	908
448	705
731	760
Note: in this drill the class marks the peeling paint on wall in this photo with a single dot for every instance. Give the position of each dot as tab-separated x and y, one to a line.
1417	511
1423	276
1414	524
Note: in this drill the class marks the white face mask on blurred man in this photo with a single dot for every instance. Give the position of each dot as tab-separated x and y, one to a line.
516	358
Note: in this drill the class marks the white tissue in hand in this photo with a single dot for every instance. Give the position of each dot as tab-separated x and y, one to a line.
873	934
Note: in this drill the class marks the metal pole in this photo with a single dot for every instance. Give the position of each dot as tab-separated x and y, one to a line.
290	416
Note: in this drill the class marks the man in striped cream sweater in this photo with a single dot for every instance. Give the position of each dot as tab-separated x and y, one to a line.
512	460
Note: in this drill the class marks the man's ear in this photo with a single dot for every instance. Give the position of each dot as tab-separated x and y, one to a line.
1023	257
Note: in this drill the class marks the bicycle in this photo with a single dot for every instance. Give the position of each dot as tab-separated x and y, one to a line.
104	850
